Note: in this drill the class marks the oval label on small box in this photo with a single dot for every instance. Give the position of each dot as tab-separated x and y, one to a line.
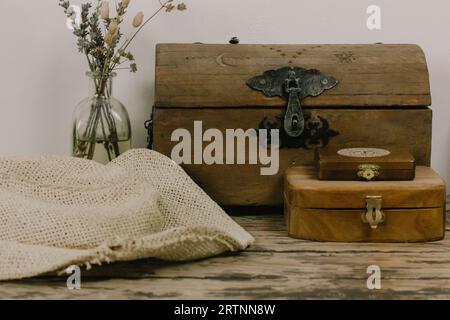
363	152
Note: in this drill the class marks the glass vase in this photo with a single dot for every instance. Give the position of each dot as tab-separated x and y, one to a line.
101	125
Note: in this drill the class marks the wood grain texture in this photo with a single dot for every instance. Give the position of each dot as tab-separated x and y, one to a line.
276	267
331	210
304	190
398	165
214	75
413	225
409	129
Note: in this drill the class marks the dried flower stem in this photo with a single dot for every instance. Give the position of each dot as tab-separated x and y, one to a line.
128	42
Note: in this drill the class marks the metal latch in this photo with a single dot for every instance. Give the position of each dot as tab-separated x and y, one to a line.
294	84
368	171
373	216
149	127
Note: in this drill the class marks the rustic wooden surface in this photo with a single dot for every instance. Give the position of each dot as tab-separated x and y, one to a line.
214	75
277	267
240	184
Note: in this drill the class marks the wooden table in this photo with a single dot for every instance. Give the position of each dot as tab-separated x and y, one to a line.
277	267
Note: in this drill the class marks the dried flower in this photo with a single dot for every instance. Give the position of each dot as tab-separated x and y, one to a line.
169	7
104	10
181	7
105	51
138	19
113	26
109	39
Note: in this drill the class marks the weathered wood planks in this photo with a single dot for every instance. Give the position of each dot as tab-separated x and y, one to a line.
214	75
277	267
244	185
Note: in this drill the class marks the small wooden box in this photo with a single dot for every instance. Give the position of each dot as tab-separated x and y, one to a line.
368	164
357	211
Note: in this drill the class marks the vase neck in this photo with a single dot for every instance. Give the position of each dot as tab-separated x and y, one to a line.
100	86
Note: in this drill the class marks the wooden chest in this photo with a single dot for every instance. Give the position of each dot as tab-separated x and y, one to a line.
352	211
380	98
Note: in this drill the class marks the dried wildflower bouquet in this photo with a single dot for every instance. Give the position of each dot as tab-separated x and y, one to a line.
102	128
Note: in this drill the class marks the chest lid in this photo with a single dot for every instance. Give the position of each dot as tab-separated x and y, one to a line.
216	75
304	190
365	164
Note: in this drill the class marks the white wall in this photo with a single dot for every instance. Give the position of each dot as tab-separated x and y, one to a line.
42	75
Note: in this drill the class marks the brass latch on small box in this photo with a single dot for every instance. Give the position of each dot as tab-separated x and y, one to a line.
373	216
368	171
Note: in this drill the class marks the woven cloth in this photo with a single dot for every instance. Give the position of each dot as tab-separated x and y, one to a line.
56	212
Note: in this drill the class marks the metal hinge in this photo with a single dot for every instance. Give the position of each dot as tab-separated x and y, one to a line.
373	216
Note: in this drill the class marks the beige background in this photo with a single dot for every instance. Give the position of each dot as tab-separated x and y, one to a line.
42	75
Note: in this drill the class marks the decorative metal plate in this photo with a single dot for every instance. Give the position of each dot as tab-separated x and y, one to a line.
294	84
363	152
317	132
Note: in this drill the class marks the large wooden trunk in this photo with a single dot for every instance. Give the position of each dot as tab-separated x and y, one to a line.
381	100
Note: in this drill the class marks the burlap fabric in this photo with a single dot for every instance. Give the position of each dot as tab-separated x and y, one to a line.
56	212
